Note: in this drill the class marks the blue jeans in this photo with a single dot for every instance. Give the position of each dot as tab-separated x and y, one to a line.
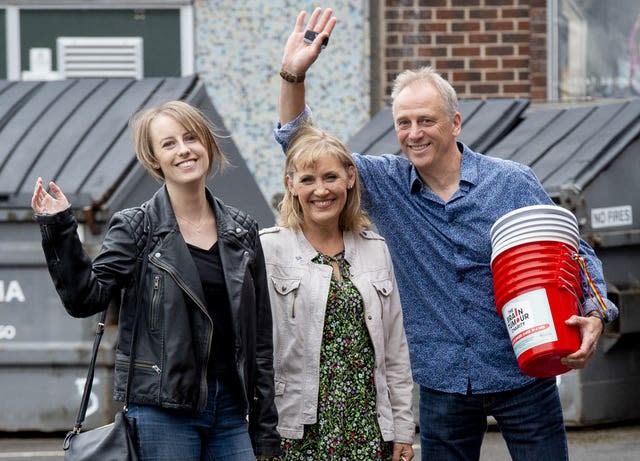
220	432
452	426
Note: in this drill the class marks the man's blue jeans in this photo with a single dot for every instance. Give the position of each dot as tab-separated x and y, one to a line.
218	433
452	426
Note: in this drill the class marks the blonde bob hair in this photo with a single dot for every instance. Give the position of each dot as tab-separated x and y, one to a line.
186	115
307	146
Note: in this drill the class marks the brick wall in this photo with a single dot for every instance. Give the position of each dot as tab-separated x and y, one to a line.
485	48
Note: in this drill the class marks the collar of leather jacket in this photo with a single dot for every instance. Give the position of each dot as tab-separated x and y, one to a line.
229	220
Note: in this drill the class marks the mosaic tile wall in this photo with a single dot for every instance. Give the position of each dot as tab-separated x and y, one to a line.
238	55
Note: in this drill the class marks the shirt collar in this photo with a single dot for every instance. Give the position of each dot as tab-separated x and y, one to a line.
468	171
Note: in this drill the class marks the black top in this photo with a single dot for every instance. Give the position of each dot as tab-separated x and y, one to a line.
217	301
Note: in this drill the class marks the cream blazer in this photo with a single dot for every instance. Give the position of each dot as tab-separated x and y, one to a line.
298	290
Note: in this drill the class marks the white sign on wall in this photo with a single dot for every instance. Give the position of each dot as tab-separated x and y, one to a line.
613	216
11	291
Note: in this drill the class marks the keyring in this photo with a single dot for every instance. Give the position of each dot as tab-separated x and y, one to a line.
310	36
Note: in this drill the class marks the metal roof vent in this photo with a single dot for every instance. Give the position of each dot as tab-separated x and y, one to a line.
100	57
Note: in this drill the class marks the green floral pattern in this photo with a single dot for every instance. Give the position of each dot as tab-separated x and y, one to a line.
347	428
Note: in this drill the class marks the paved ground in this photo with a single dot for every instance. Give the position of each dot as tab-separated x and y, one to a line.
619	443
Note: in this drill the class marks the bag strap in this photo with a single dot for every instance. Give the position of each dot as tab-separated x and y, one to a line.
86	394
89	381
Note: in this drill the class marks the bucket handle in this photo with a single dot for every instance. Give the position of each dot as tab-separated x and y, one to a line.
571	275
594	294
569	287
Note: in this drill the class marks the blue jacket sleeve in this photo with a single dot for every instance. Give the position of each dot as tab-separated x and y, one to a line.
283	133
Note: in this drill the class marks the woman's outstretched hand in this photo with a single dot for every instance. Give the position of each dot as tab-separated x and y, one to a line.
298	55
47	203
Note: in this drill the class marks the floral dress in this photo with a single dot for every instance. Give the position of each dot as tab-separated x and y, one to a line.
346	428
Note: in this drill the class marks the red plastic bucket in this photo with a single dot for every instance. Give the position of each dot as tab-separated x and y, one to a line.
537	288
536	283
537	249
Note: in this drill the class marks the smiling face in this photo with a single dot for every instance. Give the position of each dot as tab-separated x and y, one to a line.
321	188
179	153
427	135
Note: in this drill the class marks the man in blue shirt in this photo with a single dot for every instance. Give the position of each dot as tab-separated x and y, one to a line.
435	207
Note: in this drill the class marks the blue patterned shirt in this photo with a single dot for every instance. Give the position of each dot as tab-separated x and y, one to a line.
441	253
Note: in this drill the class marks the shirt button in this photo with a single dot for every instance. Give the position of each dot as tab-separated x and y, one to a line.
238	230
157	255
369	317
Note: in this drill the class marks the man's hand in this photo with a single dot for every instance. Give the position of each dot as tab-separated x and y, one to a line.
590	330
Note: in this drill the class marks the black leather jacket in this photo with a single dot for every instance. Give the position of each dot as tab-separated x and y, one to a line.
174	331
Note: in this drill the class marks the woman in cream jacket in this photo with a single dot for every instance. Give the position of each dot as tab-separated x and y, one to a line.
343	385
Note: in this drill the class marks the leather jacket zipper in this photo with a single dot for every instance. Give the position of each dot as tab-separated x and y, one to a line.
203	398
155	300
47	232
151	366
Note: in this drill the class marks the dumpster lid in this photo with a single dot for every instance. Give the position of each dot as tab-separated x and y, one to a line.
75	132
567	147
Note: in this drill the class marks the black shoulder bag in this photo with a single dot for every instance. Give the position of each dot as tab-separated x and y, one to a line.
116	441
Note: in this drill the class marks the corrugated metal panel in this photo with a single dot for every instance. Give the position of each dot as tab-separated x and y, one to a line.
75	132
484	122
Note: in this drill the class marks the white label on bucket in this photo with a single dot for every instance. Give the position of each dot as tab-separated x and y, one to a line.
529	321
611	216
